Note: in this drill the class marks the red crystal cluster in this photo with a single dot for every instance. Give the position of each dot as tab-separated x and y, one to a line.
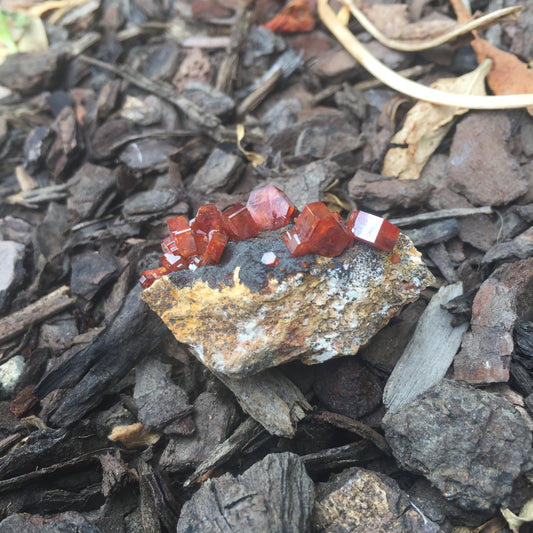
316	230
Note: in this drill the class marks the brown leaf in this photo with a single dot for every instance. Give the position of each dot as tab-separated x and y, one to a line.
427	124
508	75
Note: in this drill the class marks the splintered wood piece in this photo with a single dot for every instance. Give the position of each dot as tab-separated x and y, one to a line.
429	353
271	398
47	306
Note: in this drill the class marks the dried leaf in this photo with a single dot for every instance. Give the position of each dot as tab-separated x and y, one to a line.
253	157
526	515
406	86
427	124
508	75
295	17
133	436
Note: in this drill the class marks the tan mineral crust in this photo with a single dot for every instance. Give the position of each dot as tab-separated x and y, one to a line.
241	316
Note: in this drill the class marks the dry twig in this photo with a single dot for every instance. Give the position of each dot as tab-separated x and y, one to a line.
408	87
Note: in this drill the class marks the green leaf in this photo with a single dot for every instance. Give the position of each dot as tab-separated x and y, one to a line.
5	34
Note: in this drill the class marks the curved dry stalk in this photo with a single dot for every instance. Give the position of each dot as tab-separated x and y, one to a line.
417	45
408	87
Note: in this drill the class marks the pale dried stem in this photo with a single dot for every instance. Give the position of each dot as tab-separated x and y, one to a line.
417	45
408	87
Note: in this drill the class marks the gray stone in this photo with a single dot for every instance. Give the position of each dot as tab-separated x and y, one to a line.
11	258
273	495
10	373
469	443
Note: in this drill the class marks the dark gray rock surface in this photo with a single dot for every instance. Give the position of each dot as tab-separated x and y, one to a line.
469	443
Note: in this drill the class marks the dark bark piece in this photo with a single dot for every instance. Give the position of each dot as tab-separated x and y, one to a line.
335	459
157	500
18	322
69	522
92	270
158	399
354	426
227	72
362	500
275	494
271	398
520	247
36	147
214	417
147	205
68	144
378	193
32	72
219	172
347	387
89	188
428	436
440	256
44	448
208	99
226	450
114	473
479	138
501	300
434	233
133	332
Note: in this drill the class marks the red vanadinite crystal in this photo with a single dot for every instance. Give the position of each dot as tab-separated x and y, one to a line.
321	231
270	208
169	246
294	244
174	262
215	247
149	276
373	230
183	235
317	230
238	223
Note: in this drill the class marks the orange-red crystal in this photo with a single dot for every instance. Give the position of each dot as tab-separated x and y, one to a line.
374	230
320	230
317	230
238	223
270	208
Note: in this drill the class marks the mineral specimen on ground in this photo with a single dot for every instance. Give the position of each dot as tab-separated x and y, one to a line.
242	316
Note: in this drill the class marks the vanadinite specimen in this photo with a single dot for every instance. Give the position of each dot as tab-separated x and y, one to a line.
242	315
270	208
